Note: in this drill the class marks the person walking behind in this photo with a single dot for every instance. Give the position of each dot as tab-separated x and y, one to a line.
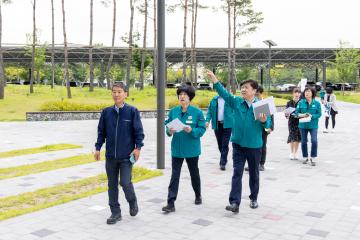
120	126
310	109
265	133
185	144
219	114
330	109
294	137
246	139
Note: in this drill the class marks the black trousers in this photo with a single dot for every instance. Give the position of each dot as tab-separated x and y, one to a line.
114	168
175	177
263	149
333	115
223	138
240	156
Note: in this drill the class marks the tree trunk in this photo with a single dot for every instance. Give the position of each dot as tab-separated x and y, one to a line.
38	76
192	42
144	48
128	64
233	78
155	44
52	45
66	74
194	53
2	77
184	42
108	68
91	64
229	44
33	50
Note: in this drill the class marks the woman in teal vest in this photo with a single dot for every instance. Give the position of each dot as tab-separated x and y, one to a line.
246	139
185	144
310	109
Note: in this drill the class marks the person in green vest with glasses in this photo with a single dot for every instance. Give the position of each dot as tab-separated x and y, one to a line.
309	110
185	144
246	139
219	114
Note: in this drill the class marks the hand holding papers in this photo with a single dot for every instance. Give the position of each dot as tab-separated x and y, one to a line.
266	106
176	125
289	110
305	119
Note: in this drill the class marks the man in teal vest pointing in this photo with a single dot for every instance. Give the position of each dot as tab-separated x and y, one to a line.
246	139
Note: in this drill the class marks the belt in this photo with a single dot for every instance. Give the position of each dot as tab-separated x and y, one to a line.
222	122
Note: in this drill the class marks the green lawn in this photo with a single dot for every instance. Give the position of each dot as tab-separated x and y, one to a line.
353	97
18	101
23	170
46	148
13	206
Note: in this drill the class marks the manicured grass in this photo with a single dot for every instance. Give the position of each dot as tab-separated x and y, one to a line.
47	197
46	148
352	97
23	170
18	101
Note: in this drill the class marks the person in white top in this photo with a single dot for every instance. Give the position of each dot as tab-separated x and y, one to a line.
331	109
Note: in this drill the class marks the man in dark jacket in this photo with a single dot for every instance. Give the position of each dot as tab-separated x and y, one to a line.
120	126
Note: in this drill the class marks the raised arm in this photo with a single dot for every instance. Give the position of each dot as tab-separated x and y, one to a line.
228	97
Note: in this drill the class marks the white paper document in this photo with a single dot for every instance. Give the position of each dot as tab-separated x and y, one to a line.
305	119
289	110
266	106
176	124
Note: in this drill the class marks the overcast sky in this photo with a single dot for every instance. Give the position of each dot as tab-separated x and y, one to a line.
290	23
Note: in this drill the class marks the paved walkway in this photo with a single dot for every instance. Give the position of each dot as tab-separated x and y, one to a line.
296	201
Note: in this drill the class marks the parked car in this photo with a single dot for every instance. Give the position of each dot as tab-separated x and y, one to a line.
170	85
287	87
314	85
204	86
345	86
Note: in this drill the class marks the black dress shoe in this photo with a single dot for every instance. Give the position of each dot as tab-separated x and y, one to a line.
233	208
262	167
222	167
114	218
254	204
133	208
198	200
169	208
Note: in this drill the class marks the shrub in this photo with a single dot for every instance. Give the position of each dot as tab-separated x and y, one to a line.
71	106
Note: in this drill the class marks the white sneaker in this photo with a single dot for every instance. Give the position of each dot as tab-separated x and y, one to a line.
333	130
291	156
325	131
296	157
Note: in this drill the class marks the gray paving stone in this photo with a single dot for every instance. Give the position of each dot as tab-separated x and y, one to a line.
332	185
43	232
292	191
202	222
318	233
315	214
156	200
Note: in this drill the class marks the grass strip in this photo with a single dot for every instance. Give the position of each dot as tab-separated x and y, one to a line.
45	166
46	148
24	203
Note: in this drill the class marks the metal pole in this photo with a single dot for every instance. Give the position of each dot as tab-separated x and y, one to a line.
161	85
269	68
324	74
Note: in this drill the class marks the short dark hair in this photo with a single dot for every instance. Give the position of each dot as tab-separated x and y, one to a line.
329	90
296	90
189	90
119	85
260	89
313	91
254	84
